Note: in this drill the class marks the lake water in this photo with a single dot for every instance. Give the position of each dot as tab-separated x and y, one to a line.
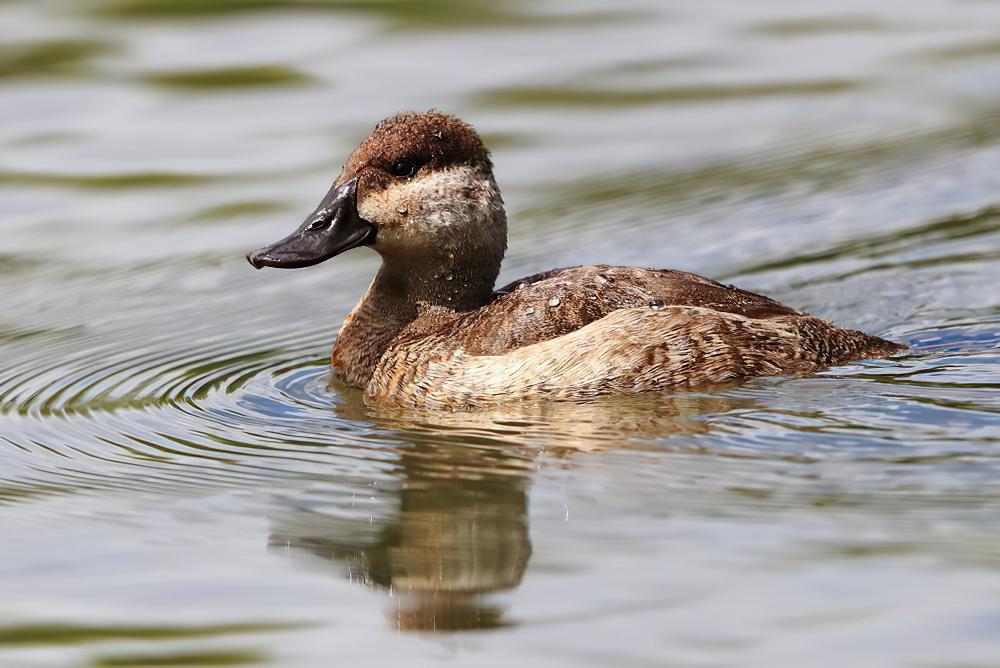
180	484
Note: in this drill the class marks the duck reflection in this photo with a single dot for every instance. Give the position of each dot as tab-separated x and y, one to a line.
453	529
460	532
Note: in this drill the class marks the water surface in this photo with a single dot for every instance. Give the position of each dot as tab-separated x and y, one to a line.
180	484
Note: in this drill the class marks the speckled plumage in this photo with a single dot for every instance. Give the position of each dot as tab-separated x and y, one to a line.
588	331
432	332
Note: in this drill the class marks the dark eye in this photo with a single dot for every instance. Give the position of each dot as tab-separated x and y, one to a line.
404	168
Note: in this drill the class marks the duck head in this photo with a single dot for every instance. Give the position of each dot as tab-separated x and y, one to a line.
420	191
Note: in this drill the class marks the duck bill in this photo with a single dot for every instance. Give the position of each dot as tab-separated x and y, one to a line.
334	227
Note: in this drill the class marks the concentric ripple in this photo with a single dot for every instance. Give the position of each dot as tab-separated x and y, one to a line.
192	410
184	409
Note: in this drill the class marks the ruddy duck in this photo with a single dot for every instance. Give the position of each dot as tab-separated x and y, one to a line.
432	332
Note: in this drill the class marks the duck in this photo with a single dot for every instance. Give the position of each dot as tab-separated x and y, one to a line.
432	331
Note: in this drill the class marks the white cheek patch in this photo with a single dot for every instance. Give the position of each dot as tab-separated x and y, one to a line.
437	203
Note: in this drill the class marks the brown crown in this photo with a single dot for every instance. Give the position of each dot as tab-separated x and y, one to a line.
430	140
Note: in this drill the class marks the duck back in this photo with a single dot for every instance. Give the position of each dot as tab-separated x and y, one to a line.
587	331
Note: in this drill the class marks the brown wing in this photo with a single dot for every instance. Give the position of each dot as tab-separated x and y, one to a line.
588	331
554	303
628	351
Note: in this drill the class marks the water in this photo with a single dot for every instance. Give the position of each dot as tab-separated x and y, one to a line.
181	485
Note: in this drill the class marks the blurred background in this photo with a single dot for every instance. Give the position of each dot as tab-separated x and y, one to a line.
180	485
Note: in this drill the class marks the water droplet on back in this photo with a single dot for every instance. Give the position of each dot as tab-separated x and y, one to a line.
554	301
531	310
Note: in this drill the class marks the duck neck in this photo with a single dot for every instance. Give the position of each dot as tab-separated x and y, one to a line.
400	291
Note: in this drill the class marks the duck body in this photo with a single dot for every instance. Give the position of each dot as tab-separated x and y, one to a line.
431	331
582	332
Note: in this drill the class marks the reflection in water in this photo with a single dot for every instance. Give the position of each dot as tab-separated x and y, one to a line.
564	428
458	533
456	530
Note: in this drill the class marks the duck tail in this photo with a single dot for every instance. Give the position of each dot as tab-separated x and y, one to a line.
828	344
